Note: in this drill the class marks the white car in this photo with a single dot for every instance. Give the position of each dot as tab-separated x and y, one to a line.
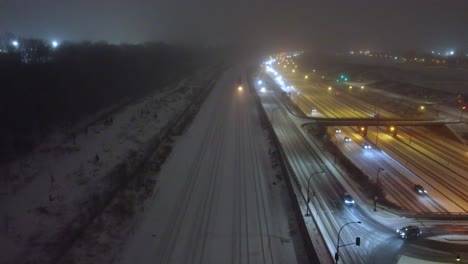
348	199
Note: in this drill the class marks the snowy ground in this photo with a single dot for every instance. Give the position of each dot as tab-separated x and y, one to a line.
53	190
219	200
452	80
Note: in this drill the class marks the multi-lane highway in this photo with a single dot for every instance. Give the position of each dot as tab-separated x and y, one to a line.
377	230
437	163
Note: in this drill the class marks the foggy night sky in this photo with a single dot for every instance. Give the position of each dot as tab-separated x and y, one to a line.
385	24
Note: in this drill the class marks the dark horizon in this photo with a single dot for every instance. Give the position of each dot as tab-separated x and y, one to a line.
338	25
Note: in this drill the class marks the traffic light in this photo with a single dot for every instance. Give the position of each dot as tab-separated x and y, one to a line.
358	241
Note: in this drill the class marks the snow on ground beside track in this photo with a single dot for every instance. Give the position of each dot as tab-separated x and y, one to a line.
216	201
60	176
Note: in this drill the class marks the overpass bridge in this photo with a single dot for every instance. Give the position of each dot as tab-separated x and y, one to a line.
379	121
392	124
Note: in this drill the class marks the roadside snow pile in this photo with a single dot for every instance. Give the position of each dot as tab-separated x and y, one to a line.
51	194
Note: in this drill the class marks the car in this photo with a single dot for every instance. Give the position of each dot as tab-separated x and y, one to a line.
409	232
366	146
419	189
348	200
347	139
337	130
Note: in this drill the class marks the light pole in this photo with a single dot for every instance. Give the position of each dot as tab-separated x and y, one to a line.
461	112
378	172
308	192
377	183
337	254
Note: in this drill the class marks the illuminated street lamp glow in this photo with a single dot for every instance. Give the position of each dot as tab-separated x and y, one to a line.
422	107
55	44
314	70
323	77
329	88
362	87
293	70
392	128
15	43
350	87
306	77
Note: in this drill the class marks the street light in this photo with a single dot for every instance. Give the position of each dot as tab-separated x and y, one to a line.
463	108
15	43
422	107
377	183
378	172
306	77
308	192
337	254
350	87
54	44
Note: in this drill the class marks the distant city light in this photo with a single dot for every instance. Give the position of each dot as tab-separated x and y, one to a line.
452	52
15	43
55	44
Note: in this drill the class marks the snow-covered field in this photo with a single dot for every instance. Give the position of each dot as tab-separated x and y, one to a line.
445	79
55	190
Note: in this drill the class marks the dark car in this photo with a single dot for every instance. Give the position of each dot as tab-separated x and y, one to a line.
419	189
409	232
347	139
348	200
